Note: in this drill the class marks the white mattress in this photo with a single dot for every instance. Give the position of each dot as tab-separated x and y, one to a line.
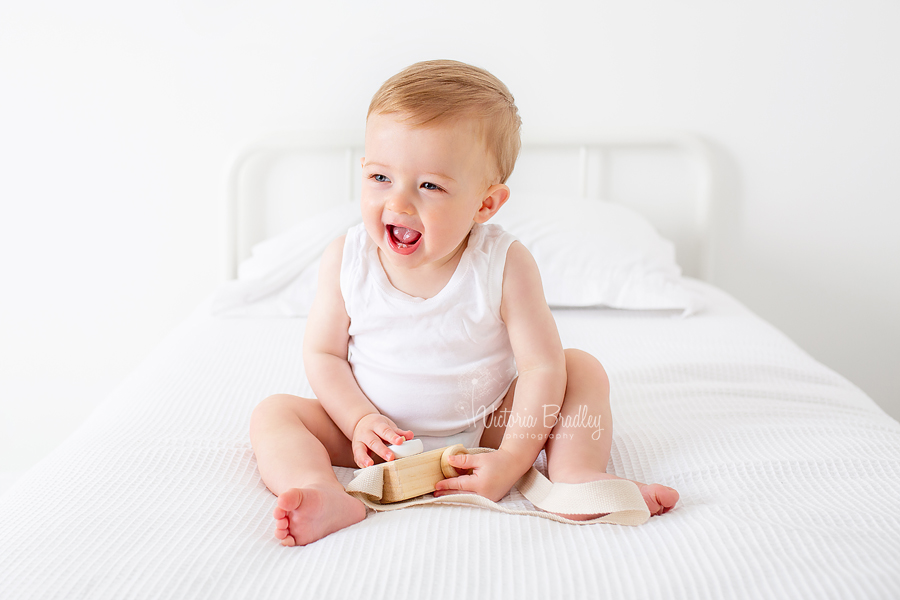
789	479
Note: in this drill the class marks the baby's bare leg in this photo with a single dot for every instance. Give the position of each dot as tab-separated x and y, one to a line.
580	443
296	442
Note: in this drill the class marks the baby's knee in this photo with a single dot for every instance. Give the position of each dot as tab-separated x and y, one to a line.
583	366
281	407
273	403
264	411
273	407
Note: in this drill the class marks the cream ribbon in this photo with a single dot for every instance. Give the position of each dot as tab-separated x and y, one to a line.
618	500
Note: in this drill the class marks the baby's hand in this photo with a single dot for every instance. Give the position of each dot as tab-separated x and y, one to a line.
492	474
371	433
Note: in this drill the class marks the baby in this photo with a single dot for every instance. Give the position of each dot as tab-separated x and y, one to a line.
428	321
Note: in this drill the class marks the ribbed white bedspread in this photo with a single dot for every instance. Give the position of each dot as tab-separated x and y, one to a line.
789	479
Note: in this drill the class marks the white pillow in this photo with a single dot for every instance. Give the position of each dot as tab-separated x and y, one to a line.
594	253
590	253
280	277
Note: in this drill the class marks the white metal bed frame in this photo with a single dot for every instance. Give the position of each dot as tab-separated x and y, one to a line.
591	169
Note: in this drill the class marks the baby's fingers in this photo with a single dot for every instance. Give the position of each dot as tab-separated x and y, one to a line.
361	455
463	483
391	434
464	463
373	442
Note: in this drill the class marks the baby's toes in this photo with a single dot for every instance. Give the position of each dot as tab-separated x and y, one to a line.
666	497
659	498
289	501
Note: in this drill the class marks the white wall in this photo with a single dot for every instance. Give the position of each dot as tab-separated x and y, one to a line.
116	125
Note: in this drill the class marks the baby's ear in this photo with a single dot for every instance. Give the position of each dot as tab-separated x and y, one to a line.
496	196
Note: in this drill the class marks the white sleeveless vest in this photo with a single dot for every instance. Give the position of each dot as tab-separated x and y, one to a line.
437	366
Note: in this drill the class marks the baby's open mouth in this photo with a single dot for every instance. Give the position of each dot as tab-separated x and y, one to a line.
403	237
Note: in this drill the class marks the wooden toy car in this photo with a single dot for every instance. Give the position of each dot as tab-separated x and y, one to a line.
415	475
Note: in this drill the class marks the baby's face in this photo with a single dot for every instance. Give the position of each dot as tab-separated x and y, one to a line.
422	189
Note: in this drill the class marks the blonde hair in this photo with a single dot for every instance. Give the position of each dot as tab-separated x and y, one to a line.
436	91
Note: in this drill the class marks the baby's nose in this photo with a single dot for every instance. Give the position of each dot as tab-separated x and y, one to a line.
400	204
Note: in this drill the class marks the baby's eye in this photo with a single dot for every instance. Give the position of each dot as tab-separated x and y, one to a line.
379	178
431	186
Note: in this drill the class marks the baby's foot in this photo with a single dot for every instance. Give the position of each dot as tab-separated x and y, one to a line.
309	514
659	498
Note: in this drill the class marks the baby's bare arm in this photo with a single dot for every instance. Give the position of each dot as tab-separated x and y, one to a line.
325	355
539	357
540	388
325	348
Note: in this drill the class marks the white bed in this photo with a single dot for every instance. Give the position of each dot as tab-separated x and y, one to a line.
789	475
